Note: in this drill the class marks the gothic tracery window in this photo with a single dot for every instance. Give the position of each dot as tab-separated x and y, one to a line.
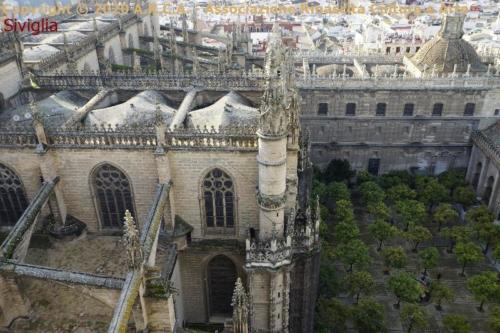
13	200
218	194
113	195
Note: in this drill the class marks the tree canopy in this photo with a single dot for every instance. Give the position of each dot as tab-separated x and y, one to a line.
479	215
368	316
353	253
484	286
331	315
454	323
381	231
343	211
464	195
444	214
441	292
394	257
400	192
411	212
337	170
357	283
429	258
345	232
404	286
494	320
433	192
371	193
468	253
414	316
417	234
379	210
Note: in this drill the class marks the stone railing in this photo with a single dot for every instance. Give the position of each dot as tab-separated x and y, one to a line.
315	57
118	137
17	136
486	145
238	138
271	253
146	80
399	82
253	81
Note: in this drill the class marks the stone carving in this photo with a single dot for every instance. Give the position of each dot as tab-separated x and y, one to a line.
271	202
240	308
132	242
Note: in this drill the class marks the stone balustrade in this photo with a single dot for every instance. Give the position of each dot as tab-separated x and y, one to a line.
17	137
271	253
255	80
149	80
239	138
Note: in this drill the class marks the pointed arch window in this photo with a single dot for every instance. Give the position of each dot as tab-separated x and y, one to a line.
218	199
113	196
13	200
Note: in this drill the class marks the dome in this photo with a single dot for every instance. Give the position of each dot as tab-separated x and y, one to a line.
448	49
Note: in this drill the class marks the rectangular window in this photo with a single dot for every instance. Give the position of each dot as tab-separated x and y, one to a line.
387	50
469	109
398	49
381	109
373	166
497	112
323	109
437	109
408	50
350	109
408	110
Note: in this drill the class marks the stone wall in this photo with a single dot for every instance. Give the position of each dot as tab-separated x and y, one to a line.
189	168
366	101
420	141
114	43
481	169
90	59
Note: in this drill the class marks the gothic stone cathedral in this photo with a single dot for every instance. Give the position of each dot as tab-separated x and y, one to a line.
211	193
202	164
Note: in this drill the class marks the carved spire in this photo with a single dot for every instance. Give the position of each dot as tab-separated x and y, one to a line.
194	17
196	62
240	308
38	125
131	241
156	50
137	62
184	28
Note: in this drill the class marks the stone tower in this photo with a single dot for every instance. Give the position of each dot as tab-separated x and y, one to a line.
272	250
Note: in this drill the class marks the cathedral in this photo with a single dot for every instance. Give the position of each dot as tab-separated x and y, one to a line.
210	189
186	169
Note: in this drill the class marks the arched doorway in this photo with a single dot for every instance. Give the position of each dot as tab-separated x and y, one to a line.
488	189
477	174
221	277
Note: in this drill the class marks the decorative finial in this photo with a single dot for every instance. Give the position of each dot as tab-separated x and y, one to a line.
131	241
240	308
